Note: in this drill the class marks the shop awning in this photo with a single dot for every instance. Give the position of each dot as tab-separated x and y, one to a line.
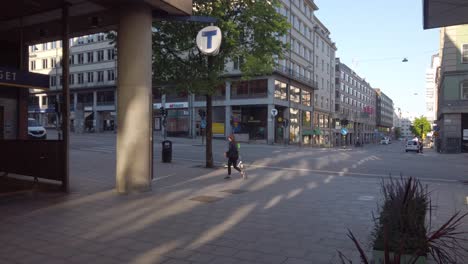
11	77
317	132
437	13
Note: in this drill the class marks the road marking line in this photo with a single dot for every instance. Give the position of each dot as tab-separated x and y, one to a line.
340	173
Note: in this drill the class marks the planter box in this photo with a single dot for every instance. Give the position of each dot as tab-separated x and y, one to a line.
379	258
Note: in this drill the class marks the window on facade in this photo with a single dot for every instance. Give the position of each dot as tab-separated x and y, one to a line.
53	62
71	59
305	97
80	58
105	98
316	99
295	94
100	76
238	61
464	94
90	38
53	80
90	77
90	57
44	64
258	87
44	46
240	88
80	77
465	53
53	45
110	75
71	79
60	80
110	54
281	90
100	55
323	66
100	37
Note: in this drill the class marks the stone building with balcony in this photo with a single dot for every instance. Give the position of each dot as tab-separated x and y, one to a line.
92	79
300	89
355	107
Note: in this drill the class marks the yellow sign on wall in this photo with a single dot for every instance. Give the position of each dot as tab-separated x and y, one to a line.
218	128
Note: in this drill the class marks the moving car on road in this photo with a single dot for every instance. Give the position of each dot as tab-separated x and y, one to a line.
35	130
412	145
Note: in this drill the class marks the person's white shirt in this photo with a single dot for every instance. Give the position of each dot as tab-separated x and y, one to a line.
416	139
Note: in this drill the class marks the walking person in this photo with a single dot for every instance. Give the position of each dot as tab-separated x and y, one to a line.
233	155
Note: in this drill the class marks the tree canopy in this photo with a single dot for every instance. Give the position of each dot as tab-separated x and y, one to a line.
421	127
251	29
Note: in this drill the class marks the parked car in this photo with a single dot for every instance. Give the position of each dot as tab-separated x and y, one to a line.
412	145
35	130
385	141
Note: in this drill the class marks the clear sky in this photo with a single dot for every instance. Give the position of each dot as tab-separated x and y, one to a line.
373	36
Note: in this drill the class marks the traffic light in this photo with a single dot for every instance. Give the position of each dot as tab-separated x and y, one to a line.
163	111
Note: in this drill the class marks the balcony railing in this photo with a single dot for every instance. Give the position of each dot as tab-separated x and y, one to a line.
296	76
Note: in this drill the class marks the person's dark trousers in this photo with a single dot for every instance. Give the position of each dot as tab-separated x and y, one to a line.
232	162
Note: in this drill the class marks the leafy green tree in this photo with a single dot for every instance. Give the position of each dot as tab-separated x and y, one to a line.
421	127
252	32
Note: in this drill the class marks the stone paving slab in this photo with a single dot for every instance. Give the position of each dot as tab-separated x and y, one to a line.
282	217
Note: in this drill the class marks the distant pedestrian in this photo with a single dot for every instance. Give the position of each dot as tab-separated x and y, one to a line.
421	146
233	155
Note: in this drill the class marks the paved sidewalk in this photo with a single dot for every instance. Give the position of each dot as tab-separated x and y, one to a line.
276	216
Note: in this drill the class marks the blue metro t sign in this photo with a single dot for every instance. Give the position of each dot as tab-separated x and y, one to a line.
209	40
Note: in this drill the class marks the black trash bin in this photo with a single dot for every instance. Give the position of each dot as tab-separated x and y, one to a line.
166	151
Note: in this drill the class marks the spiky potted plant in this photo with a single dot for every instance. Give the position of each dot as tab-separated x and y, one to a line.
401	234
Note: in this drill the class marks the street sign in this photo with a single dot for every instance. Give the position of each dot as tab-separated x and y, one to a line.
274	112
344	131
209	40
203	123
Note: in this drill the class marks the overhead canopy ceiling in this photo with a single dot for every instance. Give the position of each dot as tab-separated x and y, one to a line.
442	13
40	20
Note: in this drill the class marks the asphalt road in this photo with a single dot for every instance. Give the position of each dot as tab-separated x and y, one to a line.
368	161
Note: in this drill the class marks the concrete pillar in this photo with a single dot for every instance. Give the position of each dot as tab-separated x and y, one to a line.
134	138
271	125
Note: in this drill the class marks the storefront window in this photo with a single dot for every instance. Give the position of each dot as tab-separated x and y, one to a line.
306	119
321	121
305	98
295	94
294	125
281	90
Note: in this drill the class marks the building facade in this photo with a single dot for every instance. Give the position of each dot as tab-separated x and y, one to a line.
355	106
300	89
431	96
93	73
384	107
452	90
